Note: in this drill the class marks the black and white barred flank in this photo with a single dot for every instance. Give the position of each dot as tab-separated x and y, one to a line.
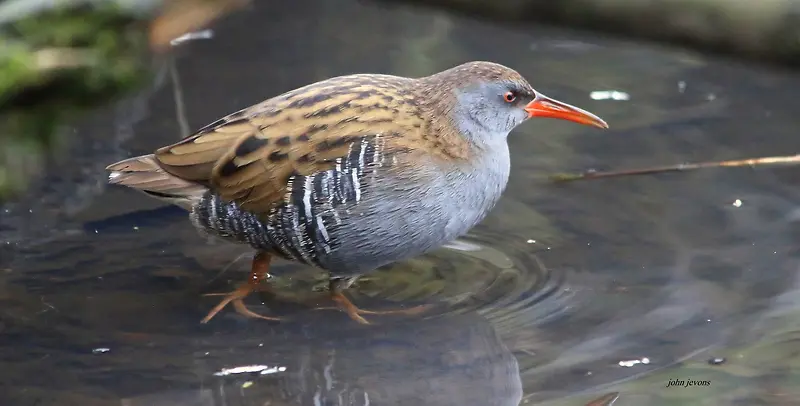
303	226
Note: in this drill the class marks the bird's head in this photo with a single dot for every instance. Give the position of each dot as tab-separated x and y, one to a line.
486	99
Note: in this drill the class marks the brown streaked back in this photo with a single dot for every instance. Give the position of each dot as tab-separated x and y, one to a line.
249	156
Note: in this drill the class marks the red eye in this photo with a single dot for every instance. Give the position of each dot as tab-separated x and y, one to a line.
509	97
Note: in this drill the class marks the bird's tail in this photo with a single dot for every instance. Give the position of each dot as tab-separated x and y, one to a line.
146	175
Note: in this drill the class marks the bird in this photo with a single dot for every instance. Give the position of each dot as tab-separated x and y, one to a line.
350	173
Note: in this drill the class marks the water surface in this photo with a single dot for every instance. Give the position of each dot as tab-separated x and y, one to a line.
564	293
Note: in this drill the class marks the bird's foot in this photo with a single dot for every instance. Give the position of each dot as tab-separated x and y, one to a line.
236	298
344	304
259	271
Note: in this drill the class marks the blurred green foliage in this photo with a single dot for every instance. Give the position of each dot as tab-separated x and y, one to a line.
56	64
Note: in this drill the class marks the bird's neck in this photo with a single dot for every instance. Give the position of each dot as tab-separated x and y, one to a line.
479	137
474	187
488	168
491	160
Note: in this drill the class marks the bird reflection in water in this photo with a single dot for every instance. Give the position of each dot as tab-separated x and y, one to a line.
449	361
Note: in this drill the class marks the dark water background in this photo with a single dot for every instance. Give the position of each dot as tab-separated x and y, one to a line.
565	292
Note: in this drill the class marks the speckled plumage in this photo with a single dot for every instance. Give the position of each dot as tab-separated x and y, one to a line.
350	173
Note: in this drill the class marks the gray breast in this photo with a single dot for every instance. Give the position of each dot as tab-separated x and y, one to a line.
363	213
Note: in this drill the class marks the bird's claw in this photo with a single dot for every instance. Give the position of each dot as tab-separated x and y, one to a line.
236	298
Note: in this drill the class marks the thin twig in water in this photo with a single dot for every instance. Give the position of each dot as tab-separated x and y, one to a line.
752	162
180	107
605	400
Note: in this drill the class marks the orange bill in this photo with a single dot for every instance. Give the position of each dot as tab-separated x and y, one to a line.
543	106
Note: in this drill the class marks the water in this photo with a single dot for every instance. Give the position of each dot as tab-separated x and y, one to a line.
565	293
